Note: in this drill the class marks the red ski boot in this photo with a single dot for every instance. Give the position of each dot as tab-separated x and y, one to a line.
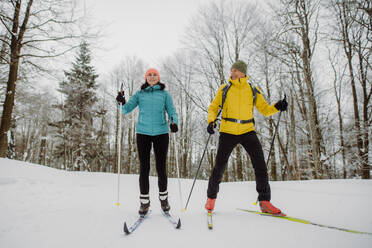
209	206
267	207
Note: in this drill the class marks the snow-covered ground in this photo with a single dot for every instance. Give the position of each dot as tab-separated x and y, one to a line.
44	207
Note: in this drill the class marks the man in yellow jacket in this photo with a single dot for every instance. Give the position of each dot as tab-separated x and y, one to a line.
237	127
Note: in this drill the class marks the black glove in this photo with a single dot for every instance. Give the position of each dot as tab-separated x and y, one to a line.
210	127
281	105
173	127
121	98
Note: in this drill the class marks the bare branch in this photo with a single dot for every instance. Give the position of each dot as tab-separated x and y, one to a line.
51	39
6	27
25	21
50	56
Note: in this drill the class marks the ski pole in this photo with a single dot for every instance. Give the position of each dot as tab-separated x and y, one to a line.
197	172
178	168
272	141
119	149
276	130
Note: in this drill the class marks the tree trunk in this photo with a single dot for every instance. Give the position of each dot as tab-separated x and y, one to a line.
293	137
8	104
15	49
348	49
129	154
239	163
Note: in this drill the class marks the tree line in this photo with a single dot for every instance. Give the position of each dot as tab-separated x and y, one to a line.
315	52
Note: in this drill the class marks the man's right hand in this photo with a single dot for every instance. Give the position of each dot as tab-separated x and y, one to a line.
121	98
210	127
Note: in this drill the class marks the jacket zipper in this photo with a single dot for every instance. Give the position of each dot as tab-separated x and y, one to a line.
152	96
239	114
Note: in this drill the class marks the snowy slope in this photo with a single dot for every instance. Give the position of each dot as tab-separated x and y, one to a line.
43	207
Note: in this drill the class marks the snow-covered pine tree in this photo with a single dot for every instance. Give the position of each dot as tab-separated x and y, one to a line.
79	89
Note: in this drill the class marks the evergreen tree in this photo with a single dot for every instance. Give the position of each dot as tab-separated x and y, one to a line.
79	111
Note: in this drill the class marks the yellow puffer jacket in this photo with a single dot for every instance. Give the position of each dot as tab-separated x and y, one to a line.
238	105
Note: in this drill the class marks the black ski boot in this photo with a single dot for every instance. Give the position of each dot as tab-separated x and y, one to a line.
163	197
145	205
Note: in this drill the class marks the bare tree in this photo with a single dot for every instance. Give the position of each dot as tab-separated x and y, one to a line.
128	72
220	34
299	35
353	31
32	30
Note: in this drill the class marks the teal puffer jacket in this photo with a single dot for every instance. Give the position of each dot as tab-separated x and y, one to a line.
153	102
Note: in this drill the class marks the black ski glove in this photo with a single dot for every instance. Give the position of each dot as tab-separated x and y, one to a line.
281	105
210	127
173	127
121	98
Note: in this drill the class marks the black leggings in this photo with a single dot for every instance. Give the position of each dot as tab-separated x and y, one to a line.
252	145
144	143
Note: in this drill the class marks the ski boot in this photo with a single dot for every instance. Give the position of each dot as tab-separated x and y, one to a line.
267	207
145	205
209	205
163	197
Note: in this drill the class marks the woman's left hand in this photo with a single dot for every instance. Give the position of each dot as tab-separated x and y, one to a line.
173	127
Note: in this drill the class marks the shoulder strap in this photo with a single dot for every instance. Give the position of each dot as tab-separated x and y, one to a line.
224	93
255	91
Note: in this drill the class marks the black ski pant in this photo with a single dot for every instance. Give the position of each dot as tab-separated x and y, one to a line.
144	144
252	145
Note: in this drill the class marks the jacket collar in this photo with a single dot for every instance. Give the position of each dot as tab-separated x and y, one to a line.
153	88
240	82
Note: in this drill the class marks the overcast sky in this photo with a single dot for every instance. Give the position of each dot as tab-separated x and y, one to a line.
150	29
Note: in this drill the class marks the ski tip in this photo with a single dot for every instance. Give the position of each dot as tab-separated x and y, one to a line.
126	231
178	223
183	210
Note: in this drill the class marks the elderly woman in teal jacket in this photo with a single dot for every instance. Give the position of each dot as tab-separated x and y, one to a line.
152	129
